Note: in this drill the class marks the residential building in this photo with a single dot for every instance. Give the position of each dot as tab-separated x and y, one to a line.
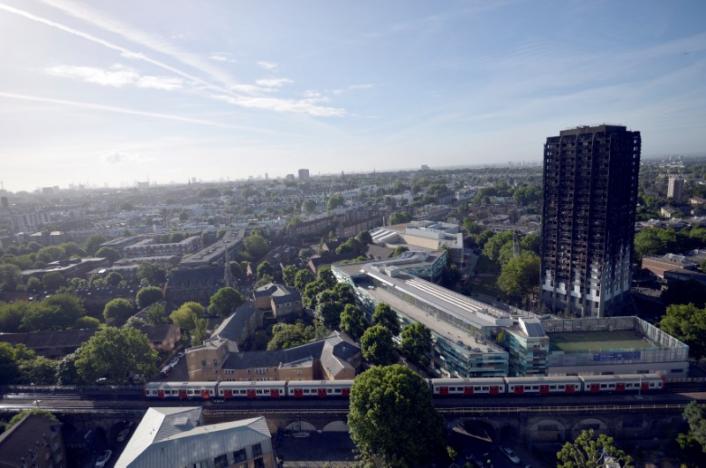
303	174
176	437
675	188
193	283
162	336
336	357
280	299
35	441
54	344
148	248
239	326
590	195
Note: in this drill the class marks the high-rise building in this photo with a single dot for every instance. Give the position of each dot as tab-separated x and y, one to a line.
588	219
303	174
675	188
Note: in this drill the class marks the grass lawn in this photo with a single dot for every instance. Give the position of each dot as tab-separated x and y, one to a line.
598	341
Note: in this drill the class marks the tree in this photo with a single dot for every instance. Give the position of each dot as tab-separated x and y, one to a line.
400	217
334	201
326	276
376	345
687	323
399	250
11	316
66	373
383	315
9	369
289	274
392	420
151	274
309	206
264	268
286	335
236	270
156	314
519	275
255	246
696	437
53	280
87	322
57	312
121	355
113	278
186	315
117	311
49	254
351	247
109	254
353	321
147	296
364	238
492	247
198	334
415	344
589	451
224	302
311	292
39	371
34	284
10	277
302	278
329	312
93	244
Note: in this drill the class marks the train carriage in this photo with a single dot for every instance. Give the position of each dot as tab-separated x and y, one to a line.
319	388
543	385
228	390
622	383
181	390
468	387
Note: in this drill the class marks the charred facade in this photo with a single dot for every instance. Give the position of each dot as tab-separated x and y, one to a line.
590	196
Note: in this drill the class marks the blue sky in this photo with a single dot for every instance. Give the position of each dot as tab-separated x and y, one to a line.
112	92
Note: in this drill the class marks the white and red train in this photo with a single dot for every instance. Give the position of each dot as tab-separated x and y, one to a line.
539	385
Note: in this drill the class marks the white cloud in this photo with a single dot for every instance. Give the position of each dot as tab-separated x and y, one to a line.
273	82
221	57
267	65
308	106
116	76
353	87
228	86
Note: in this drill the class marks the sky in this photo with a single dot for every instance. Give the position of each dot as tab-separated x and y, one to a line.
112	92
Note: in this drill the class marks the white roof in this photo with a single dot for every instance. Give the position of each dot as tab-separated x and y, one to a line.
170	437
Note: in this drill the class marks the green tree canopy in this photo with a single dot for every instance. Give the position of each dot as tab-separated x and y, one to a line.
113	278
415	344
187	314
589	451
147	296
376	345
93	244
264	269
108	253
385	316
687	323
302	278
286	335
334	201
53	280
34	284
118	354
289	274
256	246
86	322
225	301
57	312
151	274
36	411
117	311
329	313
492	247
694	416
10	277
353	321
519	275
392	420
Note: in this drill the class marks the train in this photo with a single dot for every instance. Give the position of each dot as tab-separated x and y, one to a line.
455	387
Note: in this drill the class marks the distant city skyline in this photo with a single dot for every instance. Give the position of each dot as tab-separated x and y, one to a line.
115	92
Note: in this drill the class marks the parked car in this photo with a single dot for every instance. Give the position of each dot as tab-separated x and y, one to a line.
510	455
103	459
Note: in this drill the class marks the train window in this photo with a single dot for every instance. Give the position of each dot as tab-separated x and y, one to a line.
484	388
552	387
338	390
